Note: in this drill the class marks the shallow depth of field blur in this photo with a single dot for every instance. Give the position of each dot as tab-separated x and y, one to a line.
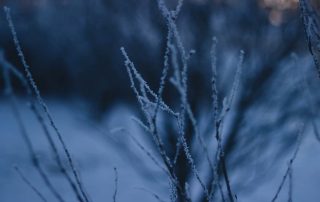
73	49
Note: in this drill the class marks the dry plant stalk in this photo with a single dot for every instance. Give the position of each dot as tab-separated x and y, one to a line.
311	21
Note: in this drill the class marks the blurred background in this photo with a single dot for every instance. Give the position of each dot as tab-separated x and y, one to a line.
73	48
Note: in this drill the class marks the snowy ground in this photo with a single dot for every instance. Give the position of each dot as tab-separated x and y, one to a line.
90	148
96	153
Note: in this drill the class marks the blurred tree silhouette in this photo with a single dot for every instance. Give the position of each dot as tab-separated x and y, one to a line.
75	43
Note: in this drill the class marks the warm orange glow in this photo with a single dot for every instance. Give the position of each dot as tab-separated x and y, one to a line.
276	9
275	17
280	4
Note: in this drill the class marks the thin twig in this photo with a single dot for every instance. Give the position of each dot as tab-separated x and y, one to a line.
115	184
41	101
36	112
290	185
23	131
294	156
156	196
29	184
